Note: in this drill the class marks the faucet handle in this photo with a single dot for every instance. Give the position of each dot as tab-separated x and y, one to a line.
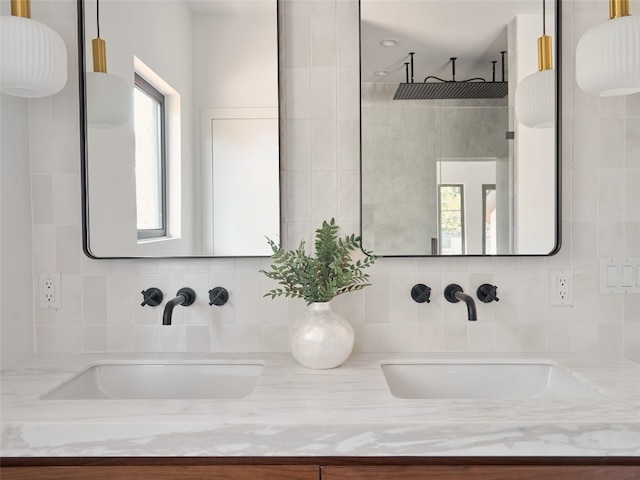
487	293
152	297
421	293
218	296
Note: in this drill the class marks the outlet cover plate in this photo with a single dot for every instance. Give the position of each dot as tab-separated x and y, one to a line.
49	290
561	288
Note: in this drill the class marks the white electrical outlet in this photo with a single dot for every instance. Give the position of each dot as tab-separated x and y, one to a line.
561	291
50	291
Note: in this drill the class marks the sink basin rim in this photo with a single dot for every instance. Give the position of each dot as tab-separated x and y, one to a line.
89	382
562	382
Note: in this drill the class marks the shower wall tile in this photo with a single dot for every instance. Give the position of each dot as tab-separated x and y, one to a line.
94	339
585	194
324	196
297	45
585	145
349	197
66	198
323	31
323	145
611	106
632	239
41	196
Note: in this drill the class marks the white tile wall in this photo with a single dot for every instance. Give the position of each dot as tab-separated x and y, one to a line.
601	217
16	316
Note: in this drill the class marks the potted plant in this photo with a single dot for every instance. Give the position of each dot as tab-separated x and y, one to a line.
320	338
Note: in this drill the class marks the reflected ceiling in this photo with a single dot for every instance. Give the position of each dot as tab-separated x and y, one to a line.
435	42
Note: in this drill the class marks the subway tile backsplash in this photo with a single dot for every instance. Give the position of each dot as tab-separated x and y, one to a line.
601	218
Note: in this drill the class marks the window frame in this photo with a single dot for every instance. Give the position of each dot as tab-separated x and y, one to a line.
147	88
486	187
462	218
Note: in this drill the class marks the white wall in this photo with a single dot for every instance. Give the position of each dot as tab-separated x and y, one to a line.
236	83
601	218
16	290
233	60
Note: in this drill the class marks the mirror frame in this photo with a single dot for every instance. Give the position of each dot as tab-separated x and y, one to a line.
557	52
84	153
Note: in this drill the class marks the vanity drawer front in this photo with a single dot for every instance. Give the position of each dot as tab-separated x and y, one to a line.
191	472
481	472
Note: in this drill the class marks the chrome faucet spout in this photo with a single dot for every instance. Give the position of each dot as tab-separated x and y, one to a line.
454	294
185	297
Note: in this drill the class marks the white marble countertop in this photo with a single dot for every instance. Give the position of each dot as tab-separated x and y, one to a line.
294	411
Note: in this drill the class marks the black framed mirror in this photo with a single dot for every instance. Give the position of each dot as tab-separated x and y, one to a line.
449	166
180	144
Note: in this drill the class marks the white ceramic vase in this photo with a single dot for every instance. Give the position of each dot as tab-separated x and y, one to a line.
321	338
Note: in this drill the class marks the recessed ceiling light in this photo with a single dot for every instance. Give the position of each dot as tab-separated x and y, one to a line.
389	42
380	73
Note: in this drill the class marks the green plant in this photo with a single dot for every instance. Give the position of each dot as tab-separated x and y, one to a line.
318	279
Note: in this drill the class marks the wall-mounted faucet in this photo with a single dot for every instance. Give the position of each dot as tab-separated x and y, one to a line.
454	293
152	297
421	293
487	293
218	296
185	297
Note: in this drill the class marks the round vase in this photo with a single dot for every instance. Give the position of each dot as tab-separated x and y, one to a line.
321	338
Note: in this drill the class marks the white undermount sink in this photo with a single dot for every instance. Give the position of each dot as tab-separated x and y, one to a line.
484	380
160	381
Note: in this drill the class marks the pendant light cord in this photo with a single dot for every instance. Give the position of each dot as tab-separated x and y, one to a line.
99	46
544	18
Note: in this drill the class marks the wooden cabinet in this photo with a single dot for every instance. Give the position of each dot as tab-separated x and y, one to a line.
188	472
471	472
322	468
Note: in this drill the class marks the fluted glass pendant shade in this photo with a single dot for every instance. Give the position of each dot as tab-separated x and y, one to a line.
535	96
109	100
33	58
608	58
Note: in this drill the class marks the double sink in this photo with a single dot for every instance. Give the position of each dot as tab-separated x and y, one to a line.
415	380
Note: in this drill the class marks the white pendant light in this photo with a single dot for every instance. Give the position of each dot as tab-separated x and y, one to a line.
33	56
535	95
109	98
608	56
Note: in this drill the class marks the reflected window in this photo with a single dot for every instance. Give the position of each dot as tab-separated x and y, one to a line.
489	239
451	219
150	159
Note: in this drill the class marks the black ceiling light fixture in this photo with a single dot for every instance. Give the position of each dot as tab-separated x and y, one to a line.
434	88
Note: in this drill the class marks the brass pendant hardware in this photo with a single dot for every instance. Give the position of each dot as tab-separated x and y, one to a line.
545	55
21	8
99	55
618	8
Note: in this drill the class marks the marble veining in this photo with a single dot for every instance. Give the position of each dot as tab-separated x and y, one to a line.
294	411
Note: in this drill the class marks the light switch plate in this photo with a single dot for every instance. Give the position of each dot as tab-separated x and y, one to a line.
619	276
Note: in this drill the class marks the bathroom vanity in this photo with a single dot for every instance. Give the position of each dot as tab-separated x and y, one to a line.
325	468
339	423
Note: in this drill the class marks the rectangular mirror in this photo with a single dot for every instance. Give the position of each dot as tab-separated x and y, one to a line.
180	127
448	166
